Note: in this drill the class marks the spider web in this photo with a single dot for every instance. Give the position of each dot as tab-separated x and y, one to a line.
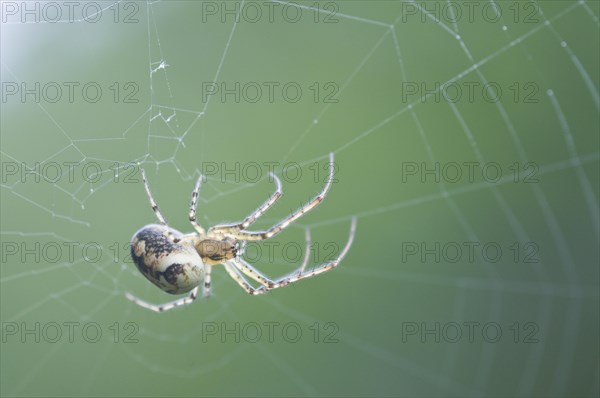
369	52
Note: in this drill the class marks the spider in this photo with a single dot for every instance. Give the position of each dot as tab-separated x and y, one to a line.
179	263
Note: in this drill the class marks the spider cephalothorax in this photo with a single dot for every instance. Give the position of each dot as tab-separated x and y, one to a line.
179	263
216	250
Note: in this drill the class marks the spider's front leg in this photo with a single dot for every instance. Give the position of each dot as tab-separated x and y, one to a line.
233	229
283	224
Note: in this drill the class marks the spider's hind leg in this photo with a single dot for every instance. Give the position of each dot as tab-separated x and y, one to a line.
194	204
166	306
155	208
260	277
237	276
207	281
300	273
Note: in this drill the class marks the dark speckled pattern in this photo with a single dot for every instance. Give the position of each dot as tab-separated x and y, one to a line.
160	260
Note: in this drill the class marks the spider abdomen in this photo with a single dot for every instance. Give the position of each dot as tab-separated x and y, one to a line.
173	266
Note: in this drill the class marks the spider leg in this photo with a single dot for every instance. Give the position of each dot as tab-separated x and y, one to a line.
301	274
194	204
236	227
237	276
261	278
252	272
207	283
155	208
261	235
166	306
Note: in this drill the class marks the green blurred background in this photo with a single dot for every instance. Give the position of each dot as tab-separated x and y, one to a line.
382	324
